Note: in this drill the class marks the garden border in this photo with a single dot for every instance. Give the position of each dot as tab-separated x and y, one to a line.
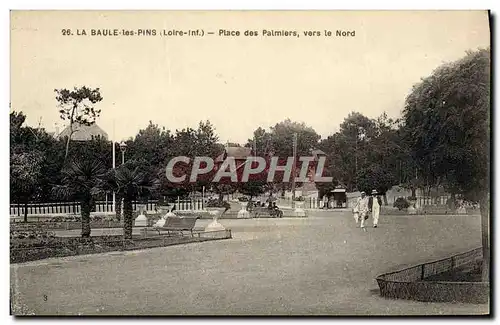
60	250
408	283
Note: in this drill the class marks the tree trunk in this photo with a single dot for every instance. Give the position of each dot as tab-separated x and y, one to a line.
67	148
86	207
221	196
70	131
385	199
127	218
118	207
452	206
414	192
68	141
485	236
26	211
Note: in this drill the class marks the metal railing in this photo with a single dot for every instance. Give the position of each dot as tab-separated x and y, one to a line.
74	208
410	283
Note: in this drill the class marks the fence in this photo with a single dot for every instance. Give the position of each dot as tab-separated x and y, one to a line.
426	200
45	208
70	208
409	283
308	203
316	203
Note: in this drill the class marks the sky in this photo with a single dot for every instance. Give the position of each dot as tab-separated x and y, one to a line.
238	83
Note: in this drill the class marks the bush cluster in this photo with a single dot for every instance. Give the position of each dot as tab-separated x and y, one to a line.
401	203
35	233
65	219
214	203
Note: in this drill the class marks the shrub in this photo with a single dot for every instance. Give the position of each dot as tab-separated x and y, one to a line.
111	218
401	203
214	203
451	203
31	234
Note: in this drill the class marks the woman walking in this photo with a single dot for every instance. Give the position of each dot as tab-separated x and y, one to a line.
374	203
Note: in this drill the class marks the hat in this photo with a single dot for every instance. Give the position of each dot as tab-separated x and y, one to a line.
374	192
363	192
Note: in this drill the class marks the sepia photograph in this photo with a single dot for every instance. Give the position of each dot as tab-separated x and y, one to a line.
250	163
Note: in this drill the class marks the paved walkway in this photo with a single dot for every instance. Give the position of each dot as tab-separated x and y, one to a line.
321	265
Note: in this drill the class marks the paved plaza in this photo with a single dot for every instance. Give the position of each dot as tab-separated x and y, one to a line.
321	265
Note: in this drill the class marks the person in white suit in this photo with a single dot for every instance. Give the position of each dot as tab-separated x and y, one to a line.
363	209
374	204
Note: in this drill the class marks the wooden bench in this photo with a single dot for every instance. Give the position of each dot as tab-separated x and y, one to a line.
176	224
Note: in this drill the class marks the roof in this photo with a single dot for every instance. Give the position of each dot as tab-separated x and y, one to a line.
239	153
83	132
317	152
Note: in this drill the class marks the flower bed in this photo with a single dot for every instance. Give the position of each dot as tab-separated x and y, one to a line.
30	249
67	225
34	233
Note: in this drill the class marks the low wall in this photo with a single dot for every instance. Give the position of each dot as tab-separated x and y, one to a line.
233	214
427	210
410	283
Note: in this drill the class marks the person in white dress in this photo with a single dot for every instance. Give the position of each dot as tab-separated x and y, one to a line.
374	205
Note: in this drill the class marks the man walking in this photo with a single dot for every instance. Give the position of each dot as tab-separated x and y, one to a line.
363	209
374	204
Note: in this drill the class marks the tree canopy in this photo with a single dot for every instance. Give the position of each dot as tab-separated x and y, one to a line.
447	125
447	128
77	106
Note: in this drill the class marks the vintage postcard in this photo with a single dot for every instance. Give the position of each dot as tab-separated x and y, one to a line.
250	163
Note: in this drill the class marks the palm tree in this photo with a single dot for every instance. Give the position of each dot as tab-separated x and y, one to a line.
81	180
118	207
130	181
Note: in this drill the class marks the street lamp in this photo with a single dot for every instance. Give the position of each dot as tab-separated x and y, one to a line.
123	148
